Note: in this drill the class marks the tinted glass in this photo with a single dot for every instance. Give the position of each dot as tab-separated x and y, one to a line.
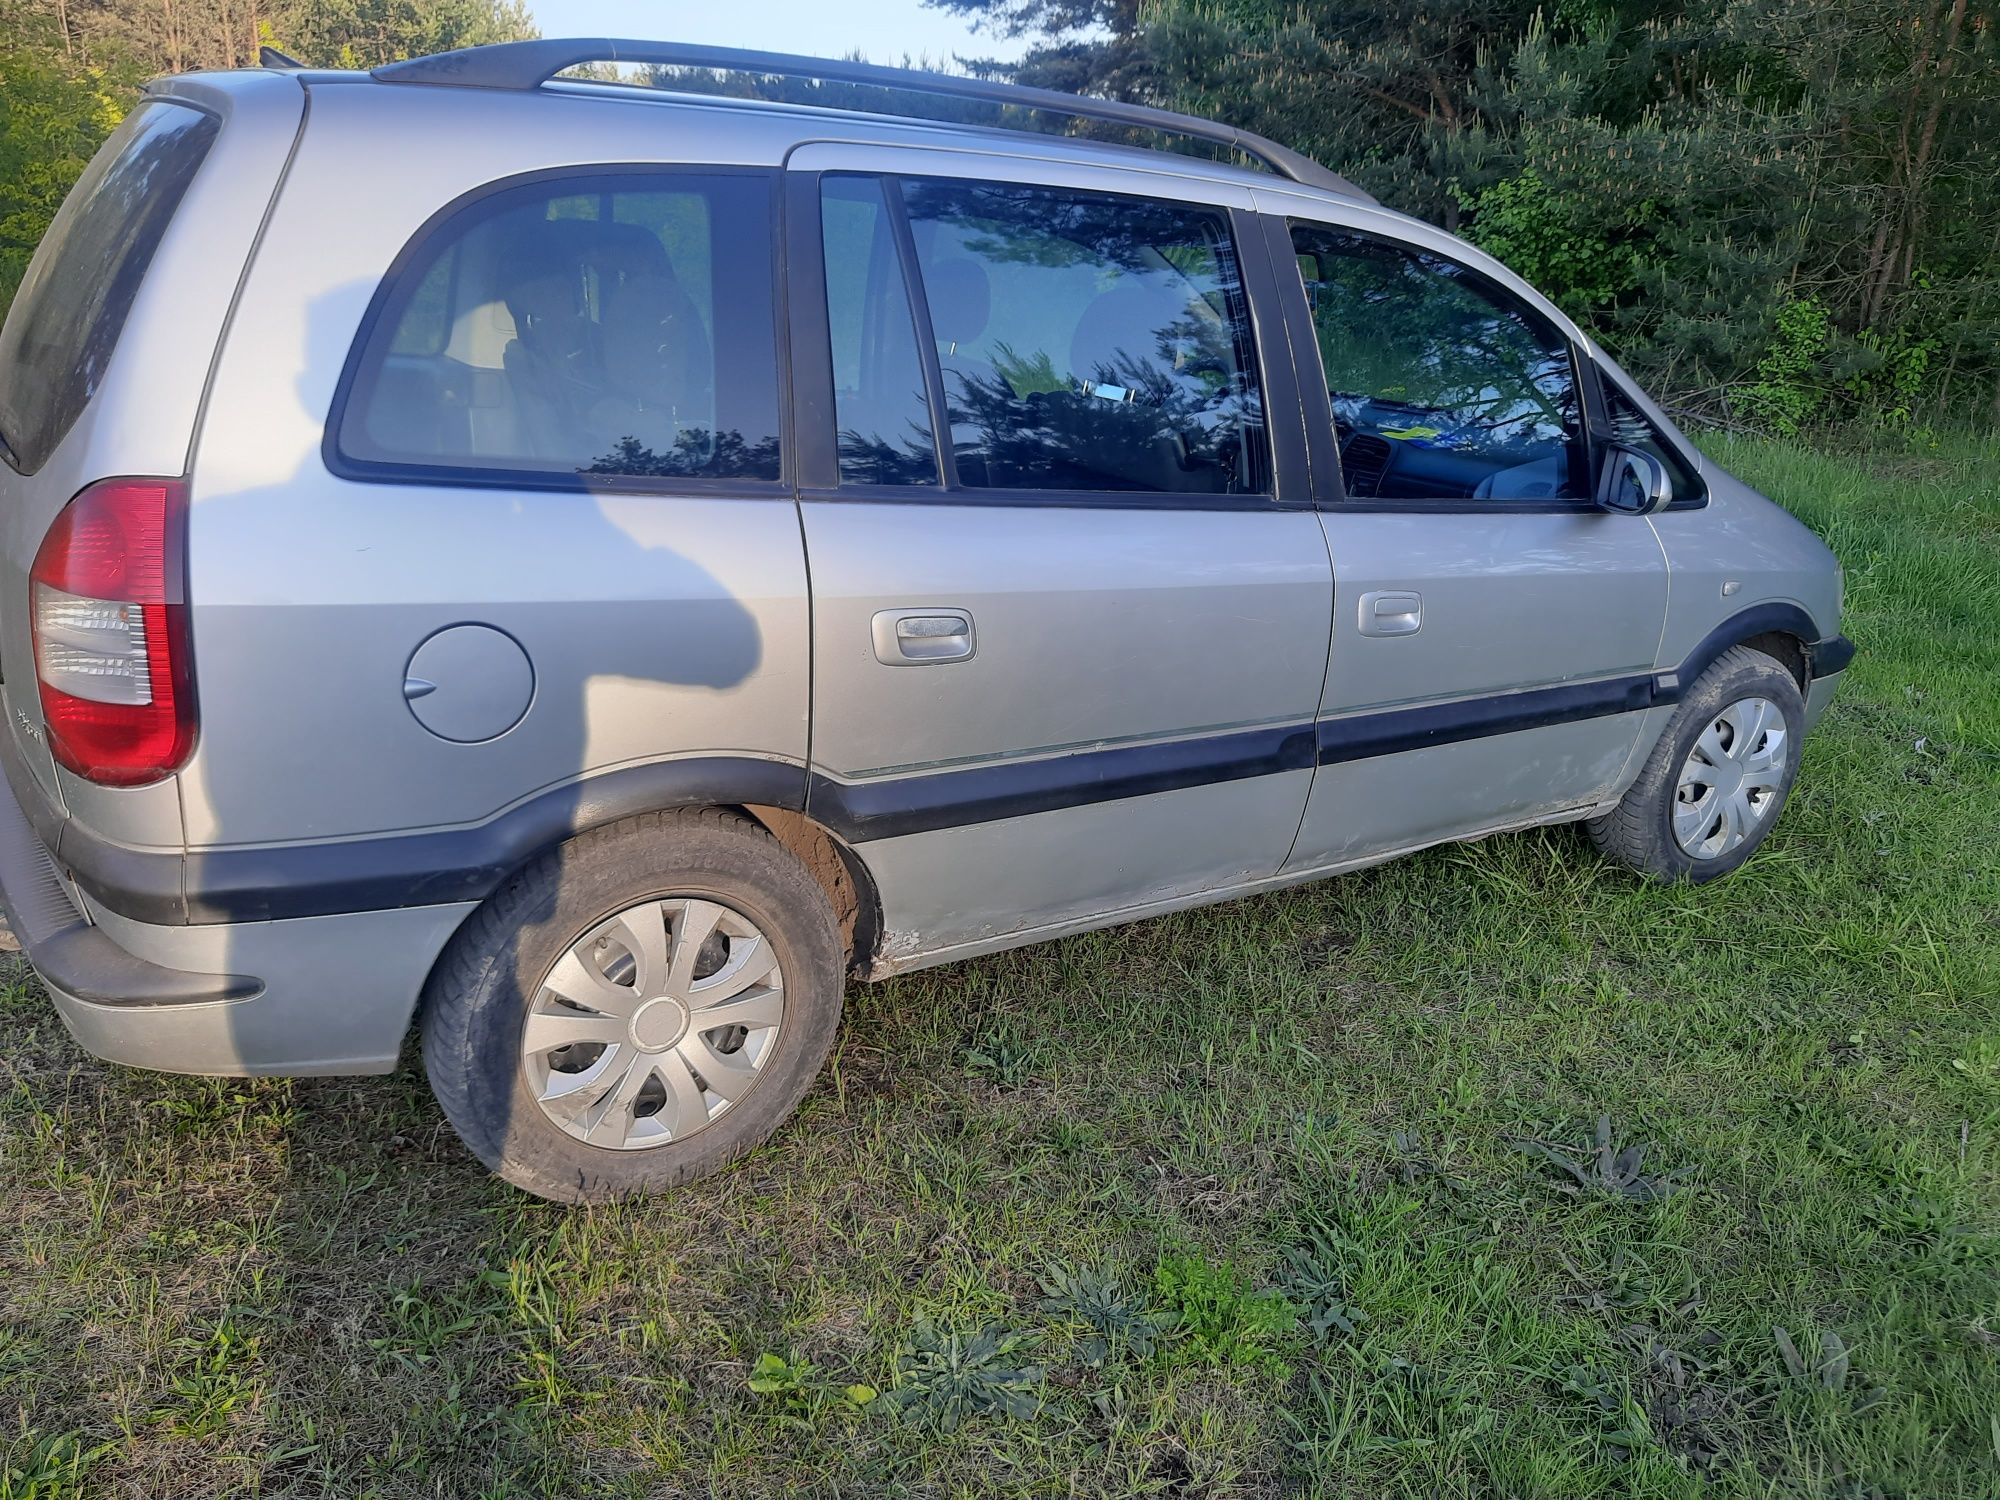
879	404
1089	342
68	313
1633	429
1443	386
615	326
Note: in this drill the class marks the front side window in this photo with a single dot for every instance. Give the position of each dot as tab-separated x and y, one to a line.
614	326
1443	386
1088	341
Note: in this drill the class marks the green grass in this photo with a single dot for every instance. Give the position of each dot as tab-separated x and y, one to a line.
1231	1203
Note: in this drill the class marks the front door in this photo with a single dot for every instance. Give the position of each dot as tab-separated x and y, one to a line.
1494	633
1070	608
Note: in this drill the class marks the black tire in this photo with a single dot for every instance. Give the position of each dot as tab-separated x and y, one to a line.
477	1001
1639	831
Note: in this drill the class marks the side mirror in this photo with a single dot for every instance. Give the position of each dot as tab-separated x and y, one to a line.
1632	483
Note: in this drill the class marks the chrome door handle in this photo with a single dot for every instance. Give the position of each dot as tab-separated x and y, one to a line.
1391	612
917	637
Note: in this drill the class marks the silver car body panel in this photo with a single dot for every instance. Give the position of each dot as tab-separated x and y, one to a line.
142	419
338	999
682	630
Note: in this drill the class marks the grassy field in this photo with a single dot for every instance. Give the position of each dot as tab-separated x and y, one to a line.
1297	1195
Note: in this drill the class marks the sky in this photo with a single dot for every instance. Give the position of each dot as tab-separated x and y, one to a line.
883	29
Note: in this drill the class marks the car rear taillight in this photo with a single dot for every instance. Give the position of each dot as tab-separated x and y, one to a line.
112	653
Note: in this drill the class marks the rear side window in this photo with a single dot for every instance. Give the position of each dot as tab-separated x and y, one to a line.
68	313
1088	341
614	326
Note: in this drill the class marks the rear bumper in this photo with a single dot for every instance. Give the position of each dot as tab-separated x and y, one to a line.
75	957
331	994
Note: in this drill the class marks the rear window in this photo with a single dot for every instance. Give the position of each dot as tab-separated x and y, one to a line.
67	316
585	328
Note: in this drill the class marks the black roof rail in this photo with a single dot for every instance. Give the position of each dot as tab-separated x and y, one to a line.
529	65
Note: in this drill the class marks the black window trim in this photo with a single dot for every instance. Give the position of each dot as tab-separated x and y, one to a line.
1330	482
399	281
815	444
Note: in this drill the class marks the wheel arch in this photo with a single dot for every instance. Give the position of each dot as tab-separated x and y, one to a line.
769	794
1778	628
841	873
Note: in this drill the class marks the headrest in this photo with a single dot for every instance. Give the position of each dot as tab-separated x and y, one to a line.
539	278
619	252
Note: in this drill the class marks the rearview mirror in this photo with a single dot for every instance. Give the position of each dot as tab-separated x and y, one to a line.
1633	483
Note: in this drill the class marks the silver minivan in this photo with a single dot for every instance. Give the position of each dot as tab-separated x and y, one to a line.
583	569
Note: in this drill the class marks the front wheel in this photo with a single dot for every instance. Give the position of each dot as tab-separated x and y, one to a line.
636	1008
1715	781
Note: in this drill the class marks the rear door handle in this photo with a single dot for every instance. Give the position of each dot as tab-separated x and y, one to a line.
918	637
1391	612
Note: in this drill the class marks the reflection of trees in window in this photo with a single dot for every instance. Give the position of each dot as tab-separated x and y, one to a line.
1175	437
1414	330
866	459
1133	373
696	454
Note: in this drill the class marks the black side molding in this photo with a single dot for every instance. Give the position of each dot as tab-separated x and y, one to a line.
461	864
271	882
894	806
1359	736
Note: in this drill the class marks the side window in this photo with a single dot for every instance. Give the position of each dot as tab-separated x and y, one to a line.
1088	341
1631	427
1443	386
613	325
66	318
880	407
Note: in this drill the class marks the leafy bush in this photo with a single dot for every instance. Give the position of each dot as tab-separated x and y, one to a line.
1787	393
1553	240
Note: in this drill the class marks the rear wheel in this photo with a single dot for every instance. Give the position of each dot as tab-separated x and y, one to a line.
636	1008
1715	781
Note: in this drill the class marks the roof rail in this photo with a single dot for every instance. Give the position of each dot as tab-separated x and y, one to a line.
529	65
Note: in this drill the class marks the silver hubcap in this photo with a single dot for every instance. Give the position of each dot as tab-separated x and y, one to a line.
654	1024
1729	783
